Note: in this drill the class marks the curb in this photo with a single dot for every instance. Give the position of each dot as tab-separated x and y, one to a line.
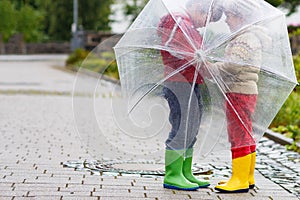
97	75
33	57
279	138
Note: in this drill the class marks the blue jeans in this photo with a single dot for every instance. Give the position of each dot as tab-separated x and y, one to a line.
185	122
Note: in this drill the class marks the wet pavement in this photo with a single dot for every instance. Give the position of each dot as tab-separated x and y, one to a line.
38	136
279	165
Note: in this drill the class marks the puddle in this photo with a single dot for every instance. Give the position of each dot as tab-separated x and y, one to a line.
273	161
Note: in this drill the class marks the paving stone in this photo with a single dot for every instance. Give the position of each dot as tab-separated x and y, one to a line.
108	193
60	193
284	198
45	197
126	198
14	193
116	187
278	193
36	186
80	198
239	197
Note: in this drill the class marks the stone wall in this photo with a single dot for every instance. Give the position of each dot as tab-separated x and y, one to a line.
52	47
16	45
2	47
93	39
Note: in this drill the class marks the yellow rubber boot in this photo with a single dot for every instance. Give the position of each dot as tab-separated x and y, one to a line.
252	169
251	174
239	181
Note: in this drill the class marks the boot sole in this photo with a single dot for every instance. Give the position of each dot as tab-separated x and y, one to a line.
233	191
204	186
179	188
251	186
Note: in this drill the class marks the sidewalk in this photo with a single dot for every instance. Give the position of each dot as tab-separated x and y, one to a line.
38	134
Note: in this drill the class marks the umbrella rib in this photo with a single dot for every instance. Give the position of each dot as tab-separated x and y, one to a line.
155	47
160	82
207	22
279	75
262	68
189	106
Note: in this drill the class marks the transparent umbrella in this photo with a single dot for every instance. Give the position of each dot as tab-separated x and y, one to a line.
244	60
205	82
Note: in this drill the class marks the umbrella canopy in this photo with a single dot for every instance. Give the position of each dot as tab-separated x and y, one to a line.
211	77
242	65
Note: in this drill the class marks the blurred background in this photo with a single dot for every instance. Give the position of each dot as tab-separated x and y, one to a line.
71	24
75	27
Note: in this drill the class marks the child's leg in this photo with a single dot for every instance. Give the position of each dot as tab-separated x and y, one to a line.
195	115
239	111
184	118
178	173
174	115
253	148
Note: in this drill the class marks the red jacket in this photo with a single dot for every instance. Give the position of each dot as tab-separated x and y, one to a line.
179	36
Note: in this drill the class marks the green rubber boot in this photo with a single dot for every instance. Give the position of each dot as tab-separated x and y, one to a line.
174	178
187	170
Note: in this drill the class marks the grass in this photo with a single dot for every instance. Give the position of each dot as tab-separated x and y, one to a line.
287	121
103	63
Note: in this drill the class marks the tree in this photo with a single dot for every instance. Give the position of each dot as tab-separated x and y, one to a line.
30	23
17	17
291	5
275	3
8	20
92	15
133	8
60	17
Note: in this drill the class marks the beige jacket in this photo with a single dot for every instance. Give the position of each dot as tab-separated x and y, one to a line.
243	58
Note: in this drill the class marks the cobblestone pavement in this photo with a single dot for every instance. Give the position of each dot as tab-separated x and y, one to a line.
38	134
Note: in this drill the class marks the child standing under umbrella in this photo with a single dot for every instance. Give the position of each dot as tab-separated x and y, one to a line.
179	33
